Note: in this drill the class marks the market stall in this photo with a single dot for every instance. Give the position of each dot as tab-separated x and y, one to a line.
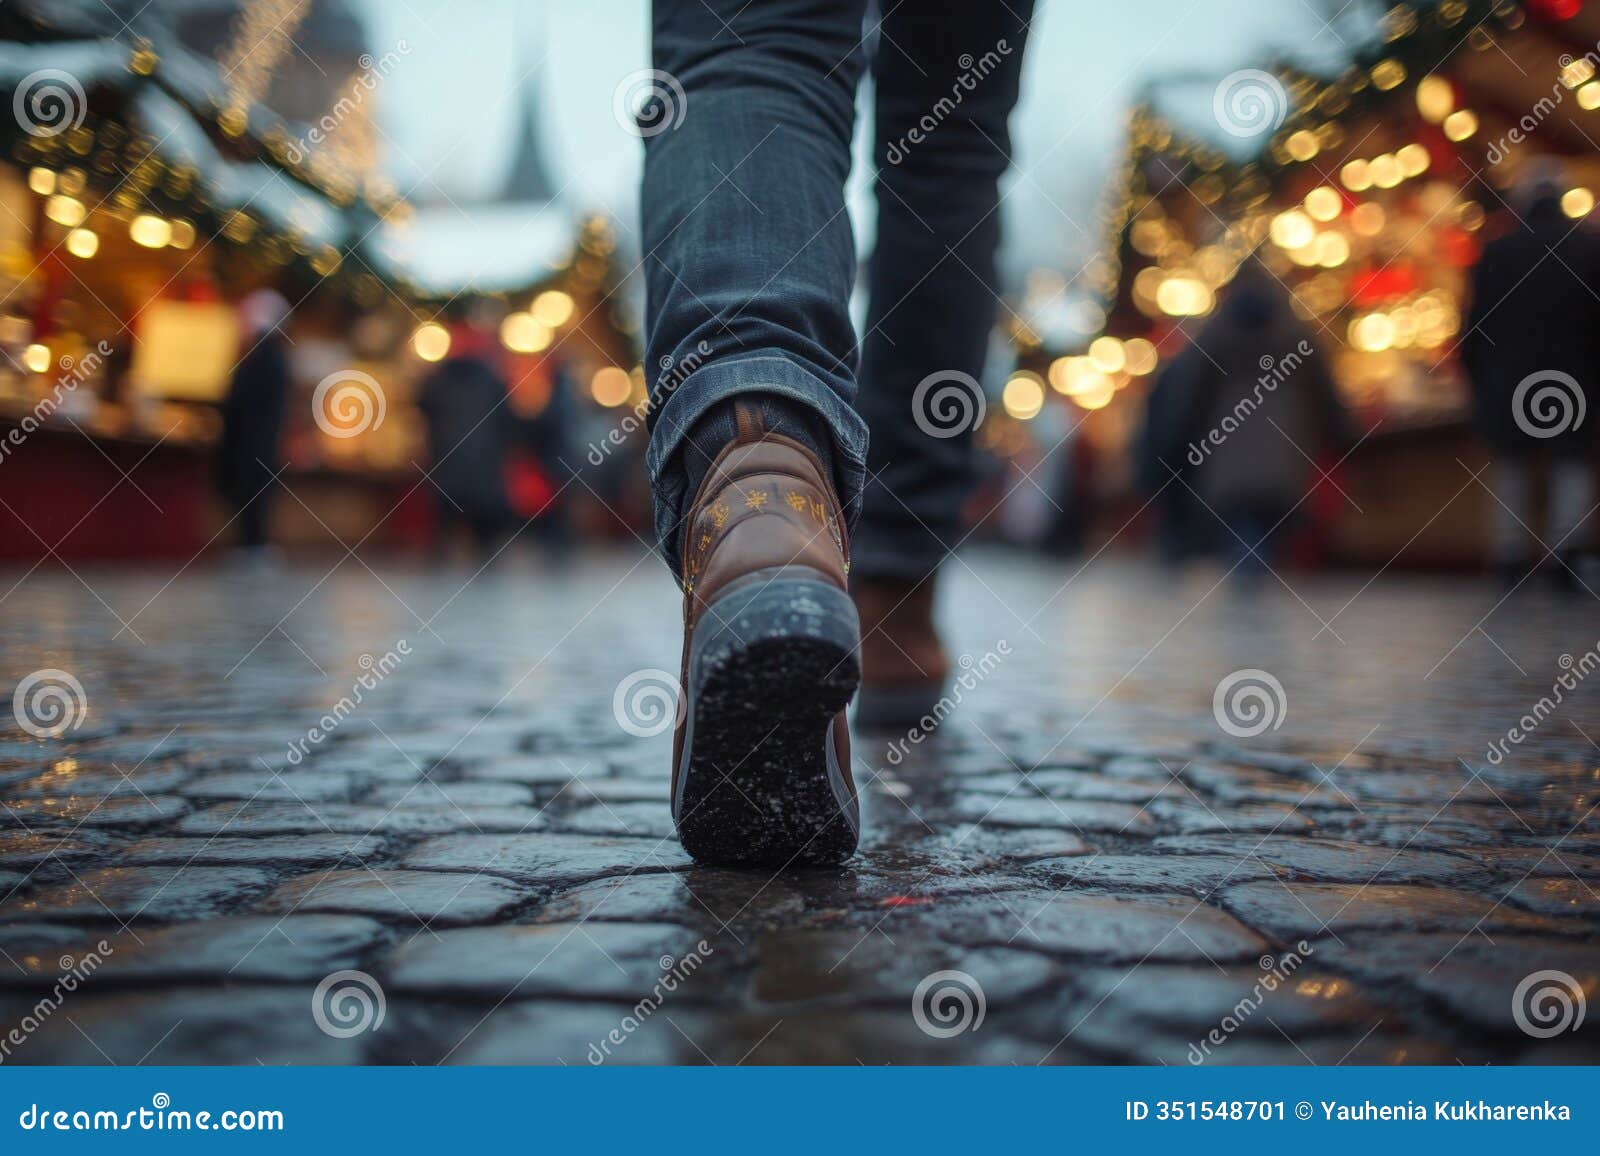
1367	194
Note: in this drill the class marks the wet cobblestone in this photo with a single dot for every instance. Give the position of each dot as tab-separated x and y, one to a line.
1083	851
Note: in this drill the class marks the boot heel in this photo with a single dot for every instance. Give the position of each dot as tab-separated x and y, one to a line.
773	661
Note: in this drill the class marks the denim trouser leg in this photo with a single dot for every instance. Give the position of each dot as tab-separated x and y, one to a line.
946	75
749	256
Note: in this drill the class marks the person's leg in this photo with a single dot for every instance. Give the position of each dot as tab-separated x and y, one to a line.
946	76
1572	496
756	456
1571	505
1512	485
749	254
253	521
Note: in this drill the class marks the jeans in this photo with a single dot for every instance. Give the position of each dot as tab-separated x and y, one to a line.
1513	521
750	259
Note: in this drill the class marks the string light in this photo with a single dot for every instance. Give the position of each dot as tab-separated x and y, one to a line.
1023	396
553	308
610	386
1108	355
151	232
1461	124
522	333
431	341
1435	98
84	243
65	210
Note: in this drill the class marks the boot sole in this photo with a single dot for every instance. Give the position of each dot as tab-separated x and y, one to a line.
773	661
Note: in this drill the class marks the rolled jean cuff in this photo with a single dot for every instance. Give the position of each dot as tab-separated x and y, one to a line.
722	381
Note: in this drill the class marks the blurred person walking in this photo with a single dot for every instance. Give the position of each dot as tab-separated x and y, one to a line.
1240	417
249	452
759	458
1531	349
471	430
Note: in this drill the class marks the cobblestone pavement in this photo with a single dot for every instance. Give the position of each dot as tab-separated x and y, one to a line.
1093	859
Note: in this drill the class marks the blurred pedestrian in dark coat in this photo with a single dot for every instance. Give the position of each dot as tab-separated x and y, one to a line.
470	433
249	453
1532	352
1242	414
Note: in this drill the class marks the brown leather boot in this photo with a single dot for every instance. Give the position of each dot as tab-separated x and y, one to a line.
761	759
903	665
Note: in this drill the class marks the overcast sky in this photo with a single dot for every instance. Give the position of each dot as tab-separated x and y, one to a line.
449	105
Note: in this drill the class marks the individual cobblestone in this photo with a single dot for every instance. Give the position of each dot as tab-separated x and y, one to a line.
428	897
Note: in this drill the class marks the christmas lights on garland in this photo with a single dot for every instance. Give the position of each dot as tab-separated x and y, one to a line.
1416	40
